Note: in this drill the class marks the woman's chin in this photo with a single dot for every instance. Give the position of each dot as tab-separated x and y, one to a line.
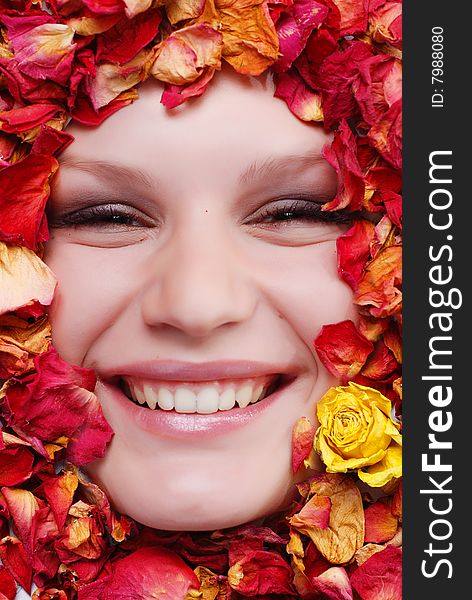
193	508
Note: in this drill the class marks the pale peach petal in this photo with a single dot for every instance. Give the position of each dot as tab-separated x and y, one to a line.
23	278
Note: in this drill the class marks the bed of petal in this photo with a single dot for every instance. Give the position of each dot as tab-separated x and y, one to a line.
336	62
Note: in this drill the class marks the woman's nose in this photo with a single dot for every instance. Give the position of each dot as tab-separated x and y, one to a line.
198	284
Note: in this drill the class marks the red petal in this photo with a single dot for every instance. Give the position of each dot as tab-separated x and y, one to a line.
127	38
342	349
28	179
151	572
56	401
13	557
59	493
24	508
15	465
51	141
342	156
301	100
353	251
294	27
338	78
175	95
7	585
260	573
381	364
352	16
379	578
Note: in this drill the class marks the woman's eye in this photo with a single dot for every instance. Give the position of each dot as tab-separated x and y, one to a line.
104	216
297	222
286	211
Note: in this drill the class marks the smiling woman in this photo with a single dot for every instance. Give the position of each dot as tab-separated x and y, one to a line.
205	291
223	267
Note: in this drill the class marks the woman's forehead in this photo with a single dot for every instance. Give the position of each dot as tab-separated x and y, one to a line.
235	112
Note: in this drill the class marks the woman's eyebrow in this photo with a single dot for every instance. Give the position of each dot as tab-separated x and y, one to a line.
281	165
113	173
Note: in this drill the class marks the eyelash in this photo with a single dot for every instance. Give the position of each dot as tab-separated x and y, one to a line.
284	211
296	209
102	215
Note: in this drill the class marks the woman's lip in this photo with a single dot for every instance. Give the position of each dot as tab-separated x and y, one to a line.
174	370
175	425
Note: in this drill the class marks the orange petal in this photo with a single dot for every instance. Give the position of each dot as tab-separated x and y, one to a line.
380	524
182	57
20	341
302	442
250	41
315	514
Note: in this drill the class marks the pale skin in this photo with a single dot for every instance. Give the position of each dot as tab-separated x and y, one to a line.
197	265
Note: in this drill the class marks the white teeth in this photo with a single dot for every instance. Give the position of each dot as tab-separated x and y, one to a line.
257	393
151	396
165	399
203	398
139	395
227	399
244	395
207	400
185	400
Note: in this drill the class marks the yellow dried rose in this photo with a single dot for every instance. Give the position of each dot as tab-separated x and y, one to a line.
357	432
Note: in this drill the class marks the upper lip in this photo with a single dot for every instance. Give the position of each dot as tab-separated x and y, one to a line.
174	370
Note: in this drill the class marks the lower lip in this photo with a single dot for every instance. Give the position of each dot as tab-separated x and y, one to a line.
182	425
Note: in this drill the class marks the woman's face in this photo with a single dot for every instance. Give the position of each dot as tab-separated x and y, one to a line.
194	271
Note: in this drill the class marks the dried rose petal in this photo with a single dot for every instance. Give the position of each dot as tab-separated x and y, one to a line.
352	16
345	533
379	288
212	586
353	248
294	26
179	11
23	278
302	442
59	493
7	585
381	364
110	80
24	118
250	41
339	77
16	464
261	572
380	524
303	102
83	111
149	572
342	349
386	135
379	577
121	43
315	513
15	560
43	49
342	155
24	222
332	584
20	341
187	53
175	95
57	400
385	23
